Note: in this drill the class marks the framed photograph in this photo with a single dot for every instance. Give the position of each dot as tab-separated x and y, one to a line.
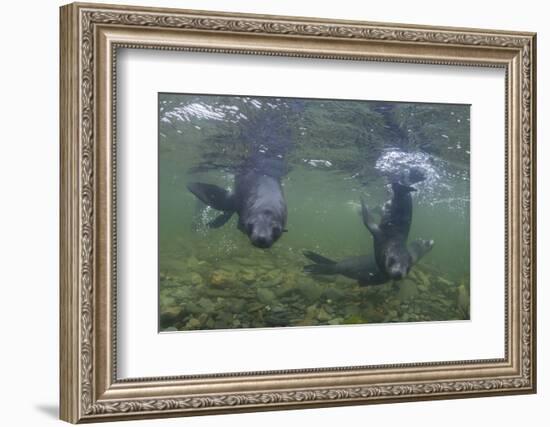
266	212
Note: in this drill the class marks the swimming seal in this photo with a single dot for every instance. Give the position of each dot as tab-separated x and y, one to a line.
361	268
390	235
364	269
257	198
257	195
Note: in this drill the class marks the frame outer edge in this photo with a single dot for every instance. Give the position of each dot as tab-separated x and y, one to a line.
305	19
77	343
69	354
533	201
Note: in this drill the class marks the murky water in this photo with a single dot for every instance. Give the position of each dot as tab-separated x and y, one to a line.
328	155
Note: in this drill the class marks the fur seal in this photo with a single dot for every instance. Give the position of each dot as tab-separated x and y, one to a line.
364	269
392	255
257	195
257	198
361	268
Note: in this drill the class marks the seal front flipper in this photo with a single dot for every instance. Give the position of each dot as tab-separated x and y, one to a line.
368	219
418	248
214	196
373	278
220	219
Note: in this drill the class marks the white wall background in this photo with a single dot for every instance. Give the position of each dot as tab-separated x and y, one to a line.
29	170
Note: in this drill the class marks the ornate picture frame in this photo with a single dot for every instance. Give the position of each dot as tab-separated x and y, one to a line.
90	37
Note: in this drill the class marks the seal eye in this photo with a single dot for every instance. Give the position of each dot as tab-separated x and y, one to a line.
249	227
276	231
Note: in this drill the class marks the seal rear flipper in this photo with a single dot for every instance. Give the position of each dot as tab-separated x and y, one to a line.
220	219
418	248
319	259
368	220
320	269
213	196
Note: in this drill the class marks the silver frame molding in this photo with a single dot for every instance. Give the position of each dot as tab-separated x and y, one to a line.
90	37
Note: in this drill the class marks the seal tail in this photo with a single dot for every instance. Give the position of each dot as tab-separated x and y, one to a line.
213	196
322	265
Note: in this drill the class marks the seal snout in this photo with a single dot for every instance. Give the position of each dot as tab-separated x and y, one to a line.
397	270
261	241
397	274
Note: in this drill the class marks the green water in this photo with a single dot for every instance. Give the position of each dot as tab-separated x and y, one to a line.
337	152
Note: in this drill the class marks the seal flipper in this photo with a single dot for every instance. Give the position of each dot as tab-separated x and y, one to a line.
319	259
374	278
214	196
320	269
221	219
418	248
368	219
322	265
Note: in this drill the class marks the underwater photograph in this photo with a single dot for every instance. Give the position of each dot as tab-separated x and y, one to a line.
285	212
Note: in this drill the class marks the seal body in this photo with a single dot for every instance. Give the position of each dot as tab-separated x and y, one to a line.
365	268
258	199
390	235
257	195
361	268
